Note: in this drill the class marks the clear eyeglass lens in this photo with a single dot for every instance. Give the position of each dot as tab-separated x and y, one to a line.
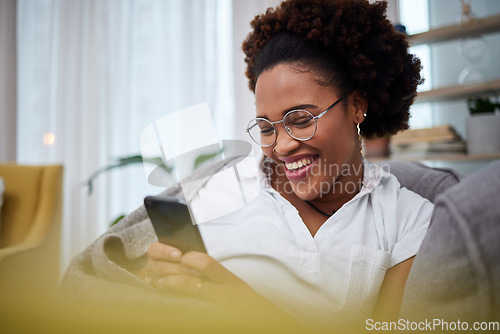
262	131
300	124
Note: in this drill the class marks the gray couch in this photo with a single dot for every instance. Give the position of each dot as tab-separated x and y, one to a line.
456	274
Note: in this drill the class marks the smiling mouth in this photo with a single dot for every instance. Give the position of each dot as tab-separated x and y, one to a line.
296	165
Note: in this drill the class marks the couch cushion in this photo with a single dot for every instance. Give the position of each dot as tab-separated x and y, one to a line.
456	274
426	181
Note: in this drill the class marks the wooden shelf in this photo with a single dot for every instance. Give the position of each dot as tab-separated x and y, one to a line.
477	27
480	26
459	91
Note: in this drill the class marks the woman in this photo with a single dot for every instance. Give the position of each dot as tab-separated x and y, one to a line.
328	233
324	72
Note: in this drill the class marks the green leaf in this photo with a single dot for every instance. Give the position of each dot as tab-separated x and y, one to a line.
205	157
121	162
131	159
116	220
479	104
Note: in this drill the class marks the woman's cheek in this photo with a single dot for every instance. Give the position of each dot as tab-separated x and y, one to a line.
268	152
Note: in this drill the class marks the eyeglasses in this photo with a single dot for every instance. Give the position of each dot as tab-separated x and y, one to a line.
299	124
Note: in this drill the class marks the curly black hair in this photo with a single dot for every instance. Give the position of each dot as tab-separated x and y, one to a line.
350	44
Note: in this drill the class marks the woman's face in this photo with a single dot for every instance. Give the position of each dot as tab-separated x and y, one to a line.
332	153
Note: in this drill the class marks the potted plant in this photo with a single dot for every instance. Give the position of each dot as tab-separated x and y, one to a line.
483	125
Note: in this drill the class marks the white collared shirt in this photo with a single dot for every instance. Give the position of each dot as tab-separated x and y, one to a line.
340	269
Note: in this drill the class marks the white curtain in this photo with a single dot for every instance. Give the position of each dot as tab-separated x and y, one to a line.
95	73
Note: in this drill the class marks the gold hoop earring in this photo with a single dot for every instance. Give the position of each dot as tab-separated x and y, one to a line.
360	140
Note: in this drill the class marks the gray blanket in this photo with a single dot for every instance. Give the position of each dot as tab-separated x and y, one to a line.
104	270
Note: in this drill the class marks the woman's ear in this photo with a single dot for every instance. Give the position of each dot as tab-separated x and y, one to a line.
359	105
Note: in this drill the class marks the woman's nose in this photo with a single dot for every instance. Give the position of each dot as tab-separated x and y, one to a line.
284	142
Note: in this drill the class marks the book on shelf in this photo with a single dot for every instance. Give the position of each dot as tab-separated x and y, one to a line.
435	134
420	142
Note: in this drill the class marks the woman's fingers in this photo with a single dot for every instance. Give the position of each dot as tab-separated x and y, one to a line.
184	283
198	274
163	268
191	273
209	267
159	251
221	294
164	260
237	297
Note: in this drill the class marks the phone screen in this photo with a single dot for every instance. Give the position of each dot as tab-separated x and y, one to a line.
173	225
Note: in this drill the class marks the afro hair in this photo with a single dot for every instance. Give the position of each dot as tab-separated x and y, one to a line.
350	44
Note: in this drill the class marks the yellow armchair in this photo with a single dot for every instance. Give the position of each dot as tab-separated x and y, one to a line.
30	230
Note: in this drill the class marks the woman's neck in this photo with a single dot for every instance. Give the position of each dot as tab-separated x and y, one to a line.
345	187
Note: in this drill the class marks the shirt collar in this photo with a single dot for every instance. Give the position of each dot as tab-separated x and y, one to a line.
372	175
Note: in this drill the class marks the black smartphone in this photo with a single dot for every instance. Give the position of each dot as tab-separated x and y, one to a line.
172	222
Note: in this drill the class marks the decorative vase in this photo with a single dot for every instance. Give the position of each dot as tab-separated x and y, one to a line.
483	133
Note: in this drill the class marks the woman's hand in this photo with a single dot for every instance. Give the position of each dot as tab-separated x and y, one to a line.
194	273
198	274
163	261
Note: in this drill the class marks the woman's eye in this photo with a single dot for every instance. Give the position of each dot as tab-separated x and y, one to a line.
267	131
302	121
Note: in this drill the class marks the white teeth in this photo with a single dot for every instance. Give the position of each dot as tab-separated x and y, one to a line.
298	164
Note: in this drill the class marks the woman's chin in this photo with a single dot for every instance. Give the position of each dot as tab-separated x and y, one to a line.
306	192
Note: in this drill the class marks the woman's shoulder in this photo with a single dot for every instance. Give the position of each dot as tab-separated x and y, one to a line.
379	179
401	216
399	207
